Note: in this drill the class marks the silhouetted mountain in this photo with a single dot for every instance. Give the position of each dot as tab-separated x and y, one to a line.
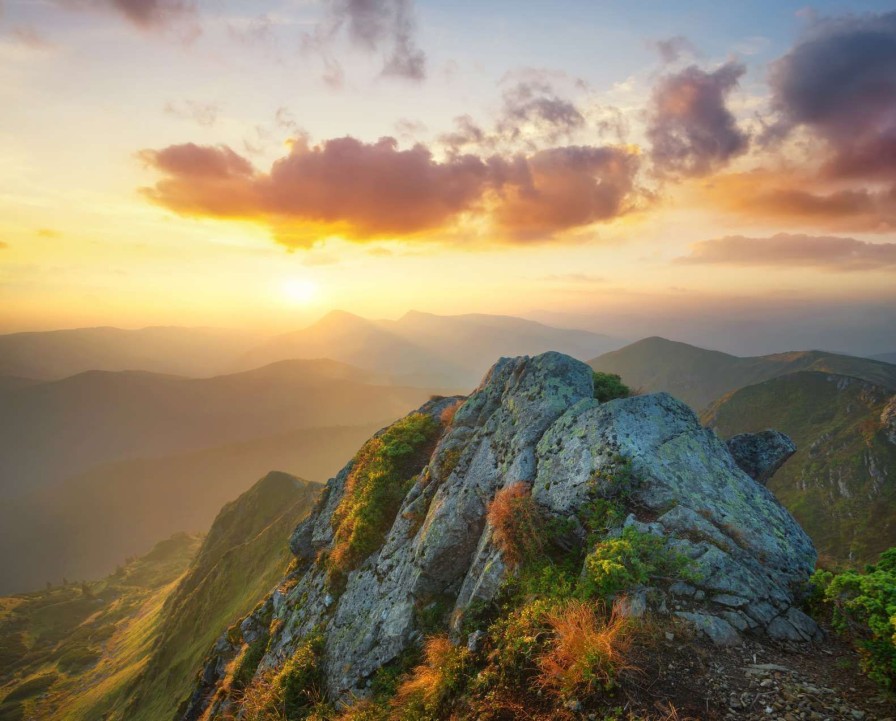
55	430
699	376
426	348
58	354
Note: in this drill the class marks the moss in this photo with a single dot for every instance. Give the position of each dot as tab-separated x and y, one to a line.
382	473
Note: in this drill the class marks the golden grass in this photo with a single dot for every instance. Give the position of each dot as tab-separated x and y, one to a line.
587	652
517	523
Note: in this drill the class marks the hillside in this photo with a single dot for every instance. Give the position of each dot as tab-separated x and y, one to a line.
65	648
52	431
840	485
699	376
52	355
84	526
886	357
423	348
137	637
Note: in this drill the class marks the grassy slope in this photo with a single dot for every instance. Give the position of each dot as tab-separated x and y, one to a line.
698	376
67	653
243	557
85	526
829	484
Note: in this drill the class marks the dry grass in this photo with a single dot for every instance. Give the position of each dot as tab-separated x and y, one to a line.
517	522
434	680
587	652
262	700
447	415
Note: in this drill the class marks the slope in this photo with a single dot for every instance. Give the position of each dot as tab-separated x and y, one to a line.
699	376
83	526
841	483
56	430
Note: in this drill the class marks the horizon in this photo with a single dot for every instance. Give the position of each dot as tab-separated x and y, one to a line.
624	169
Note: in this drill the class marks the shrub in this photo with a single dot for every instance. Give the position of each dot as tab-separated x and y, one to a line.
608	386
383	470
518	523
864	608
587	653
632	559
300	680
447	415
248	662
434	682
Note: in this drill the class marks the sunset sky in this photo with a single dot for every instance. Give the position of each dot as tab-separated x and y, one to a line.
600	164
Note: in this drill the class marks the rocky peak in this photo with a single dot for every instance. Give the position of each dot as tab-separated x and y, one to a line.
761	454
533	420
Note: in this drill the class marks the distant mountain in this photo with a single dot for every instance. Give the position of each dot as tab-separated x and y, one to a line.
128	647
52	355
55	430
425	348
841	483
84	526
886	357
699	376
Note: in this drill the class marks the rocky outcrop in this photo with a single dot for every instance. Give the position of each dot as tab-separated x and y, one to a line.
761	454
888	420
535	420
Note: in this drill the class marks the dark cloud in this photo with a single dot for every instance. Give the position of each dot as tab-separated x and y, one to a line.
537	102
147	14
671	50
387	27
204	114
840	82
784	250
466	133
368	191
690	129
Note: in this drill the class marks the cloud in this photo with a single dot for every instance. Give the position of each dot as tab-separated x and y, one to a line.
784	250
690	129
369	191
387	27
147	14
3	246
535	102
48	233
204	114
671	50
800	198
839	82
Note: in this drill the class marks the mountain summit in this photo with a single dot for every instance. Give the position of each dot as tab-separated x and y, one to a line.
631	499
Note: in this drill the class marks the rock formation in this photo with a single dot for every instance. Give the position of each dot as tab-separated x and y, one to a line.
534	420
761	454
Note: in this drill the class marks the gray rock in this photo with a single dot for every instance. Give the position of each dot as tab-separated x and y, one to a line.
535	420
761	454
888	420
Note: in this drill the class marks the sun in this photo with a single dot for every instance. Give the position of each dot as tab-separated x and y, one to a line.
300	290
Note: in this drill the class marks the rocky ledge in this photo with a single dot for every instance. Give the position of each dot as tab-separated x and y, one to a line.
535	420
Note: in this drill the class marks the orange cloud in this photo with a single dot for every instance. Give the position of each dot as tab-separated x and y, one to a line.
369	191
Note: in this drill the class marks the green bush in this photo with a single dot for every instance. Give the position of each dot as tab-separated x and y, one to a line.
864	608
632	559
608	386
248	662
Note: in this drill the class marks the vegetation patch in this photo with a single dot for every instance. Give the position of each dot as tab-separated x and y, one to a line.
518	523
383	471
609	386
864	608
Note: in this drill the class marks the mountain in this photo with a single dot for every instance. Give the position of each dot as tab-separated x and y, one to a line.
503	521
52	355
84	526
56	430
423	348
699	376
841	483
128	646
885	357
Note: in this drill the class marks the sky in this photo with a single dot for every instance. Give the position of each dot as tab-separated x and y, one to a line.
724	173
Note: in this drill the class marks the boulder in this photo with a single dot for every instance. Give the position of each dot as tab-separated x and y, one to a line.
761	454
